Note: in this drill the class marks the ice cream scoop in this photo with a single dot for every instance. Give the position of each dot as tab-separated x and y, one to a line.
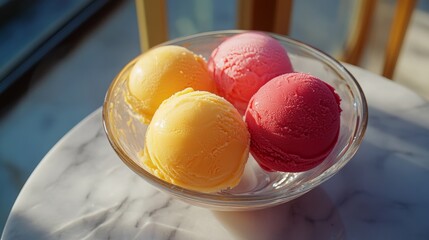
161	72
243	63
294	122
197	140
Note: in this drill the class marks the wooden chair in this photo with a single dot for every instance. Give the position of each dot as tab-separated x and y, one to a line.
275	16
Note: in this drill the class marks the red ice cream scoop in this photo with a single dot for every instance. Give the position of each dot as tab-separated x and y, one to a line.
294	122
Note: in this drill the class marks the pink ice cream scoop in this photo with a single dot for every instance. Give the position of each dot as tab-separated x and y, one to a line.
243	63
294	122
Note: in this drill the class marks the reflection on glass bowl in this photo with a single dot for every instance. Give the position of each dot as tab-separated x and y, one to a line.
258	188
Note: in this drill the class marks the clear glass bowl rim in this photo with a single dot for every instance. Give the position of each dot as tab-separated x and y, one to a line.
239	201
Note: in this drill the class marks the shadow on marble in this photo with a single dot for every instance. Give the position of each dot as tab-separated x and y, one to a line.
311	216
382	193
396	136
28	229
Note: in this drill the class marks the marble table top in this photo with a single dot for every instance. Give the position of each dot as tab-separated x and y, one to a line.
82	190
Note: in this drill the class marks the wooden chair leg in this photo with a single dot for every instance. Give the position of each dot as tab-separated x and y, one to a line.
401	19
265	15
152	22
357	39
245	14
283	17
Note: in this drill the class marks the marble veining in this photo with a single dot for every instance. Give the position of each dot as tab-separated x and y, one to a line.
82	190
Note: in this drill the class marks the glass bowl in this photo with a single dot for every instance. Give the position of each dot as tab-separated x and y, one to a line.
258	188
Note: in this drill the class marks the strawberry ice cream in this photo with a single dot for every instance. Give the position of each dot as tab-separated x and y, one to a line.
245	62
294	122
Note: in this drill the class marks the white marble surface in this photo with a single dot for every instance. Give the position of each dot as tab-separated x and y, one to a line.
81	190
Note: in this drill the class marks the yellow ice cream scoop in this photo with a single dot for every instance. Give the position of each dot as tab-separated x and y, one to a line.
197	140
163	71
